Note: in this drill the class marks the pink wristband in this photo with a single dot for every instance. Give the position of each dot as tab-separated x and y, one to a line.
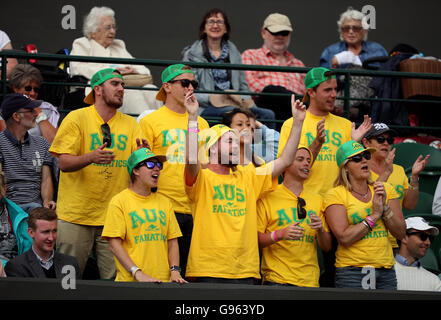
274	236
370	221
193	130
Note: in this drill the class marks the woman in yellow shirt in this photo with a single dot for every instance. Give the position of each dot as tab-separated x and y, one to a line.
361	213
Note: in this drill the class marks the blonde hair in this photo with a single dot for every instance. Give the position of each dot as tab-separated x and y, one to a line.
343	177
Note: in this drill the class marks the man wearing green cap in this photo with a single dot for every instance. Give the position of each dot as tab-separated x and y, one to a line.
224	246
93	145
141	226
165	129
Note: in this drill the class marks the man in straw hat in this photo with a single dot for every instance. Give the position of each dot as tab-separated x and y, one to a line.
224	245
93	145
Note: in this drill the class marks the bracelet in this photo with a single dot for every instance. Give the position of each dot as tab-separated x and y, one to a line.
133	270
370	221
415	181
192	124
411	187
367	225
274	236
193	130
175	268
386	209
390	215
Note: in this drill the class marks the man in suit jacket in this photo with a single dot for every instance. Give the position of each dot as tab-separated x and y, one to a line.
42	261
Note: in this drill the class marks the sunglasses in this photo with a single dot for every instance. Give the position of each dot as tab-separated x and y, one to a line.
360	156
280	33
151	164
422	235
354	28
30	88
381	139
107	137
301	211
186	83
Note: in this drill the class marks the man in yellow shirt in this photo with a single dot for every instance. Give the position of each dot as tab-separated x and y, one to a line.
141	226
224	246
93	145
165	130
290	224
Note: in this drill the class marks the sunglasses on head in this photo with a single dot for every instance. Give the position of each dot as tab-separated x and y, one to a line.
151	164
381	139
186	83
107	137
280	33
301	211
422	235
29	89
360	156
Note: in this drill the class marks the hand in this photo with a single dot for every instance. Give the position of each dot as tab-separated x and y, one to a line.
142	277
298	109
142	144
321	133
358	134
50	204
191	104
379	198
316	222
291	232
175	276
389	161
419	165
126	70
101	156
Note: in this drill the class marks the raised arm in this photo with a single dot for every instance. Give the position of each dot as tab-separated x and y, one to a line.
191	144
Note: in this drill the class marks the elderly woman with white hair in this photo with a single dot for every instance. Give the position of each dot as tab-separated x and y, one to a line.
353	47
99	40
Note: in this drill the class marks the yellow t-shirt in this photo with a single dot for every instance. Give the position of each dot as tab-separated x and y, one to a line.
83	195
145	224
399	181
374	249
324	171
288	261
224	241
166	131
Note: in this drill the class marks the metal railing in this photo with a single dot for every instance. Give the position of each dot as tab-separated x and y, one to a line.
347	73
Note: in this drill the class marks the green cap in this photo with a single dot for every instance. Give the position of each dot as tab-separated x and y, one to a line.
168	74
141	155
100	77
314	77
350	149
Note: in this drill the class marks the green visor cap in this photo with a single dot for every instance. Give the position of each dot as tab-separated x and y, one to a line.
173	71
142	155
350	149
103	75
316	76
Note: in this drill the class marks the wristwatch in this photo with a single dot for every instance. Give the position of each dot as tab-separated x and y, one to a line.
175	268
41	117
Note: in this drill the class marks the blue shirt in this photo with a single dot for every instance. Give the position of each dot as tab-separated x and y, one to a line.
402	260
369	49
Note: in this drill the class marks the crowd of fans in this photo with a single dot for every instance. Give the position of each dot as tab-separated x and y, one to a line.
166	197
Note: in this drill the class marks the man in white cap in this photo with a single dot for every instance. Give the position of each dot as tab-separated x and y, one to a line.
410	274
276	33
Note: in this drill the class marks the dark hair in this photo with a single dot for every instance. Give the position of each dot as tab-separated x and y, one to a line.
40	214
210	13
227	117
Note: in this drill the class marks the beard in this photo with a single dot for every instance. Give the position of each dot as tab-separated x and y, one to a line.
112	101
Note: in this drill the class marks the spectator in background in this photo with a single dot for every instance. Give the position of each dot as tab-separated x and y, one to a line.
93	145
99	40
141	226
360	214
42	261
24	158
413	247
214	46
436	206
14	237
276	33
353	47
290	225
26	79
6	44
381	137
165	130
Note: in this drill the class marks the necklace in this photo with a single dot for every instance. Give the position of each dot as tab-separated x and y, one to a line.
364	196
